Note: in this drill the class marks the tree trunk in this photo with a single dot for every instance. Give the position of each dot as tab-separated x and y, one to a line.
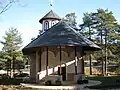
105	52
102	53
13	65
90	52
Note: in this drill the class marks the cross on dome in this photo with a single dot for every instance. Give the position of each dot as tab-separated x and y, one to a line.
51	4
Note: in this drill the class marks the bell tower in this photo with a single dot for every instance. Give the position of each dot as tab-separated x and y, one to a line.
50	19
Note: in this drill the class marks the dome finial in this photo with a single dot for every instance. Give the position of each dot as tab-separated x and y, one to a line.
51	4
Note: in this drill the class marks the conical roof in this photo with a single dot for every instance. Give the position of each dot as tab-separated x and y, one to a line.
50	15
64	35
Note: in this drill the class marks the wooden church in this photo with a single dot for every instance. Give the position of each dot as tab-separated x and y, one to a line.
58	51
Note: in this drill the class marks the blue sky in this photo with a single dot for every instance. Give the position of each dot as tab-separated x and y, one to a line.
26	18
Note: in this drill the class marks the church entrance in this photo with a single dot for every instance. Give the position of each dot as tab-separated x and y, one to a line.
63	72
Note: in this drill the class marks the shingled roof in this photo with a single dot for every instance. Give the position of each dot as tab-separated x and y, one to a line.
50	15
62	34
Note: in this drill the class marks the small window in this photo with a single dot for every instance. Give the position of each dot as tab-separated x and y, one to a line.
46	25
53	23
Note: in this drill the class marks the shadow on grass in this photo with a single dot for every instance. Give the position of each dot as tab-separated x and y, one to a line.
10	81
107	82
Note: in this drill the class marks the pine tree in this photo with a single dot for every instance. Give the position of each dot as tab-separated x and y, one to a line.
106	31
106	27
71	19
88	31
11	48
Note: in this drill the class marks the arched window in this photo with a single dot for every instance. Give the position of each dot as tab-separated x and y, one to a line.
46	25
53	23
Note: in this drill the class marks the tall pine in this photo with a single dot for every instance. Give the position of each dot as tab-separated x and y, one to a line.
12	42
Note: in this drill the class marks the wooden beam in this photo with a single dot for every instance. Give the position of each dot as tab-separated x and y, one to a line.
75	51
75	60
90	63
83	66
82	62
37	66
46	60
40	59
60	61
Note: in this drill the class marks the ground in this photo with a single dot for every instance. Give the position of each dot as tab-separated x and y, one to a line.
107	82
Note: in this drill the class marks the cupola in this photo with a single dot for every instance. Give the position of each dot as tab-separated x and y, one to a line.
50	19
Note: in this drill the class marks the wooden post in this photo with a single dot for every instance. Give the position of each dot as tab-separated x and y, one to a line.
37	66
40	60
90	63
83	53
82	66
75	60
46	60
60	61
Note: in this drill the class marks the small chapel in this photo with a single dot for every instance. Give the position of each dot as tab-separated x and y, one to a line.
58	52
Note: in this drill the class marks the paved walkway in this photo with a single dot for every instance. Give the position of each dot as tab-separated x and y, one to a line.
66	86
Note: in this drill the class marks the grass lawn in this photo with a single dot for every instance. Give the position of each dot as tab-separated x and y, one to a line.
107	82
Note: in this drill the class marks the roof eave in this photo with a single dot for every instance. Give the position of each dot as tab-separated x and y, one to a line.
41	20
29	50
